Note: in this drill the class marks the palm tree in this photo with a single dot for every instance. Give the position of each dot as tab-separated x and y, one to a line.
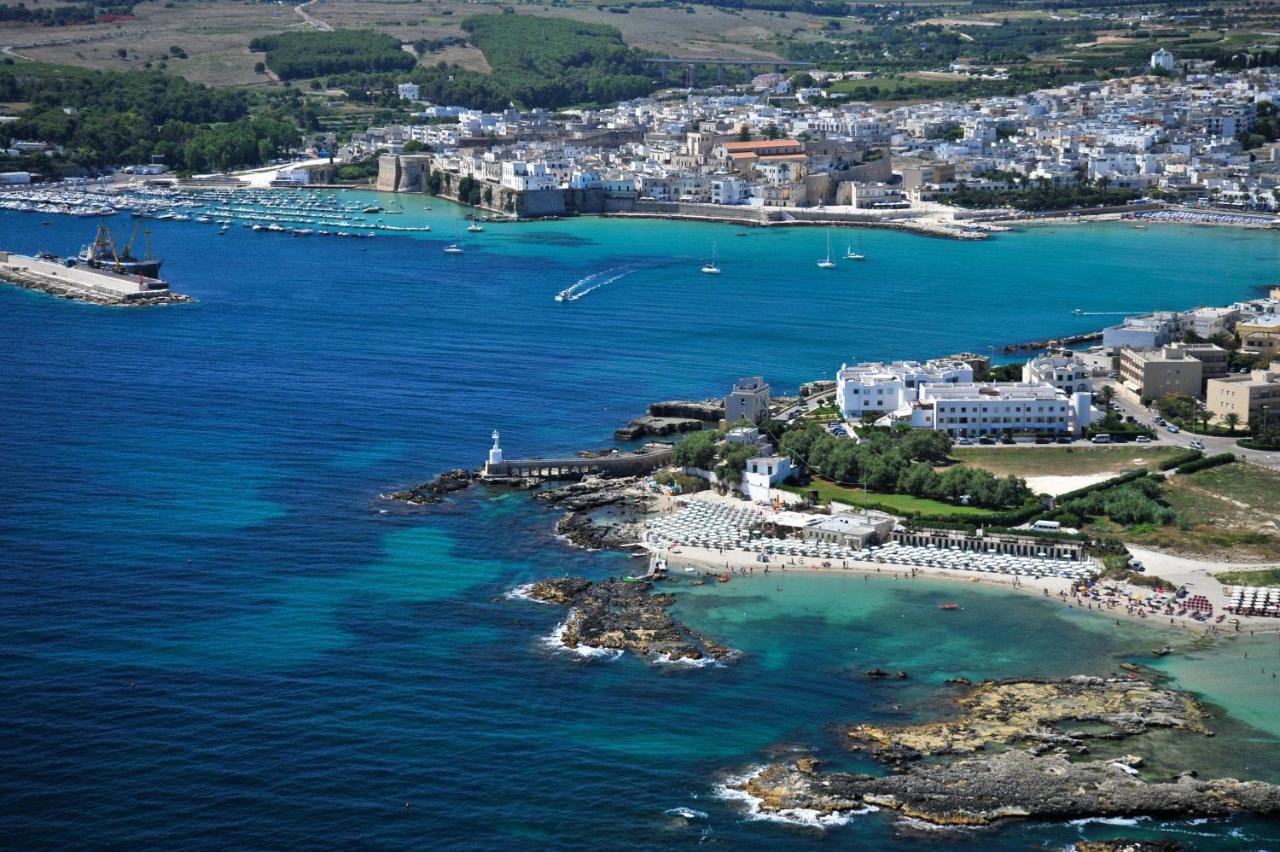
1232	420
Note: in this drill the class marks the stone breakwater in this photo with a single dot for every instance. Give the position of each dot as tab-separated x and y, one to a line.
1032	712
1012	784
615	615
1052	342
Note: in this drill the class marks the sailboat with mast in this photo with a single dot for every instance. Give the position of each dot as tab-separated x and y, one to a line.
710	267
850	254
827	262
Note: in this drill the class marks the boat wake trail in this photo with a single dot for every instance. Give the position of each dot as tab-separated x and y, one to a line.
591	282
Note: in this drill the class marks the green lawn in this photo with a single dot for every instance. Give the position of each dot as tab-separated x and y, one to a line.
1063	461
902	503
1263	577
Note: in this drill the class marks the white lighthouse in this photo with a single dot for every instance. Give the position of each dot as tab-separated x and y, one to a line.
495	452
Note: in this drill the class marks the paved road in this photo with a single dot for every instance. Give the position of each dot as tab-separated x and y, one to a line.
1212	445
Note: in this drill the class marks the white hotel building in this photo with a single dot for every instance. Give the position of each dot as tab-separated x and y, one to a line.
972	411
876	387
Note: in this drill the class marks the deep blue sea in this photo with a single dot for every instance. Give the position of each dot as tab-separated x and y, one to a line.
210	637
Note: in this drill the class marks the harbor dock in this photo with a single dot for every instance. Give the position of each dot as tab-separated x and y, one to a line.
84	283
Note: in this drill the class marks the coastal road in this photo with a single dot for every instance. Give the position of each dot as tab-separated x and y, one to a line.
1212	444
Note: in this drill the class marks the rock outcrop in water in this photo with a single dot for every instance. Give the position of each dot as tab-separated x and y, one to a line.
434	490
620	616
1031	711
982	790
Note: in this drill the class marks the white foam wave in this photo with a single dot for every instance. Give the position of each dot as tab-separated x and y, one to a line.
687	813
805	817
665	659
555	641
521	593
1127	822
924	825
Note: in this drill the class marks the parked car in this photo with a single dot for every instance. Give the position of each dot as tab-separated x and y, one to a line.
964	442
984	440
1196	445
1062	440
1101	439
1043	440
1142	439
1173	429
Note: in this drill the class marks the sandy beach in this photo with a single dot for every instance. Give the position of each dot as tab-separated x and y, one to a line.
737	563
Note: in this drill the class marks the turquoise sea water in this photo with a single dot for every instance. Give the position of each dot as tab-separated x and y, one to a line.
212	638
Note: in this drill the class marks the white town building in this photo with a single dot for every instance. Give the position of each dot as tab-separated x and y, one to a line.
762	474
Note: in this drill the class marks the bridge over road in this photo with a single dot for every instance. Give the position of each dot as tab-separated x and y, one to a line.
647	459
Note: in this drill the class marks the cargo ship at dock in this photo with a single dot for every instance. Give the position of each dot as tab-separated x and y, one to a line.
103	254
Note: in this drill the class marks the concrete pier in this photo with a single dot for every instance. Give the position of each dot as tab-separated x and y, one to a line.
647	459
84	283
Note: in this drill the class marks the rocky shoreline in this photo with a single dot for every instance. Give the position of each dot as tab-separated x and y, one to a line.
617	615
581	499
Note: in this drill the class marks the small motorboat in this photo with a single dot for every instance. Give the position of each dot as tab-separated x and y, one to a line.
453	248
475	228
948	606
565	295
723	578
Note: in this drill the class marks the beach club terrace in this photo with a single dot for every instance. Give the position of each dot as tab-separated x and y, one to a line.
734	527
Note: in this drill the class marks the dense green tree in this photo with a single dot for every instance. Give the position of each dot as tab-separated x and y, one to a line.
697	449
296	55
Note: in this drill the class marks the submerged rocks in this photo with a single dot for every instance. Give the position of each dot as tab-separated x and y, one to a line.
617	615
434	490
1007	712
982	790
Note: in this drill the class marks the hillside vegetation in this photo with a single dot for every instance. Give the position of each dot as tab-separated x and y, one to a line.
127	117
552	62
536	61
294	56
